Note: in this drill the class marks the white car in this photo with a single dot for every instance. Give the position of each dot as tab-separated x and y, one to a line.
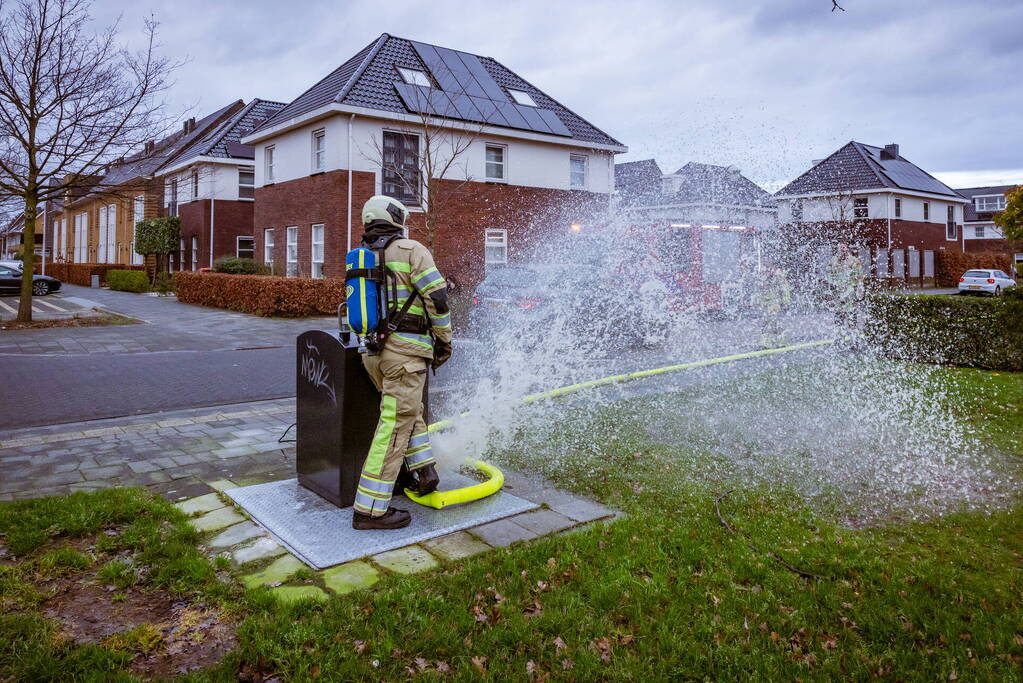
992	282
16	265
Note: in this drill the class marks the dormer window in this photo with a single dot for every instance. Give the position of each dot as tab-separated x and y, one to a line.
522	97
415	77
989	202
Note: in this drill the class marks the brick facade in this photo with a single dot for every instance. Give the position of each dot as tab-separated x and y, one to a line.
996	244
528	214
231	218
874	233
124	199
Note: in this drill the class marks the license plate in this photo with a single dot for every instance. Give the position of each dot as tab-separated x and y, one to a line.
974	286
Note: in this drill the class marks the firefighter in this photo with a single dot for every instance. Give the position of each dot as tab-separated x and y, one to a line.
845	275
421	339
775	295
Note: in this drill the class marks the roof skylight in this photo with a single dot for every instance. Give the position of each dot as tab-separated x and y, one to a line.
415	77
522	97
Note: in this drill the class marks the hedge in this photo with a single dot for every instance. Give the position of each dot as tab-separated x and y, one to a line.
233	265
265	295
81	273
975	332
128	280
949	265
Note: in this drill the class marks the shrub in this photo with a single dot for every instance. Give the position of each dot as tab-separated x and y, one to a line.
158	235
128	280
950	265
951	330
163	283
81	273
233	265
262	294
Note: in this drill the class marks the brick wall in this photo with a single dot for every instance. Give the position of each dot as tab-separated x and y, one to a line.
874	232
232	219
998	244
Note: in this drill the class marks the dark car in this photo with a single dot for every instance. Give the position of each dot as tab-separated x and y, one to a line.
10	282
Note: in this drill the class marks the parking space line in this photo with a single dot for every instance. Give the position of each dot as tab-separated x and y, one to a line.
36	309
47	303
8	308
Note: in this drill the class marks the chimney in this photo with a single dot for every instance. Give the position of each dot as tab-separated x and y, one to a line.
890	151
189	126
150	145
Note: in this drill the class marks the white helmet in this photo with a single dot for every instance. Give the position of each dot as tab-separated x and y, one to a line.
383	208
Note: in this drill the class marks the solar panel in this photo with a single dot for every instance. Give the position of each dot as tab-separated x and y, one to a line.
511	114
465	107
532	118
553	122
488	110
483	77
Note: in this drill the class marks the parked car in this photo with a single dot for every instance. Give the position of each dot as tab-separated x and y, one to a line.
16	265
985	281
10	282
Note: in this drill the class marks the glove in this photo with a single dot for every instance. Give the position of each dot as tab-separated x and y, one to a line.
441	353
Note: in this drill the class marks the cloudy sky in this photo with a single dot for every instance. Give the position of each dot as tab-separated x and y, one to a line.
766	85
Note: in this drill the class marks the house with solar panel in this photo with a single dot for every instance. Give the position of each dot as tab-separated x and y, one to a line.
525	166
211	186
981	233
892	211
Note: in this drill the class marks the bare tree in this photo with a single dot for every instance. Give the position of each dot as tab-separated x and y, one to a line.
439	171
72	102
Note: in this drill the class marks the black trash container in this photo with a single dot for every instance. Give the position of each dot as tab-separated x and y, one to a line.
337	412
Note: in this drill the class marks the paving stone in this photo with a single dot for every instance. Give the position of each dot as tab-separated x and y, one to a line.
143	466
350	577
501	533
278	570
57	479
260	550
206	503
409	560
101	473
456	546
239	533
222	484
580	509
290	594
184	459
218	519
543	522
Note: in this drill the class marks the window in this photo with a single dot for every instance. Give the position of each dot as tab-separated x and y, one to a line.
898	208
317	265
319	150
138	215
292	252
950	223
195	183
195	253
860	209
112	255
268	246
989	202
246	182
495	163
522	97
495	247
181	254
171	190
399	175
927	211
101	248
797	210
978	231
245	247
577	170
268	159
415	77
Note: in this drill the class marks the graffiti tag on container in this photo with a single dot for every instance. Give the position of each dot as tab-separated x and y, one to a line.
315	371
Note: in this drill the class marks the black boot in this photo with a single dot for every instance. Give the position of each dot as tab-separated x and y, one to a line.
404	481
427	479
392	519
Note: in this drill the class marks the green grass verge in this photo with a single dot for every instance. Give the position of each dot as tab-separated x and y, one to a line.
668	592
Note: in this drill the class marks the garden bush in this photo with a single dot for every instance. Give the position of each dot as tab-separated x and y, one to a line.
265	295
949	265
233	265
980	332
128	280
81	273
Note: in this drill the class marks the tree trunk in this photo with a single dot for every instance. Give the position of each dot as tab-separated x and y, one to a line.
28	257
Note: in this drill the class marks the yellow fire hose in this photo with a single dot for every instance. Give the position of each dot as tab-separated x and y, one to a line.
493	484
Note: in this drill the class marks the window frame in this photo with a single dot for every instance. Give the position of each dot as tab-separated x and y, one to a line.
195	183
797	210
411	76
291	231
195	252
406	199
312	250
251	187
268	246
526	100
978	232
503	163
861	207
238	246
951	229
502	235
172	200
318	160
269	153
927	211
999	199
139	215
572	158
898	207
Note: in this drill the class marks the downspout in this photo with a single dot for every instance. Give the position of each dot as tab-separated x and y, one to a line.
213	213
350	120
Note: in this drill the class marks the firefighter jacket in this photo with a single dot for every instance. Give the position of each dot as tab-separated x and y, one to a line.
417	276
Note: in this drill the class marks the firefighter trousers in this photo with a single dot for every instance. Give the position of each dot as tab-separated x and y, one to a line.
401	432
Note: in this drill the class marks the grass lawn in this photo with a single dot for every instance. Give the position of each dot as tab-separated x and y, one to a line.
705	578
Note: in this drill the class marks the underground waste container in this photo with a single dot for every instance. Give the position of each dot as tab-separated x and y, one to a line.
337	409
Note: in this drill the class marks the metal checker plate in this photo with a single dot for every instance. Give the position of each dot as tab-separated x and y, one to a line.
321	534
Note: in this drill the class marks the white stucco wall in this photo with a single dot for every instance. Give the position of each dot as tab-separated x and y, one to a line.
879	205
529	163
216	181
